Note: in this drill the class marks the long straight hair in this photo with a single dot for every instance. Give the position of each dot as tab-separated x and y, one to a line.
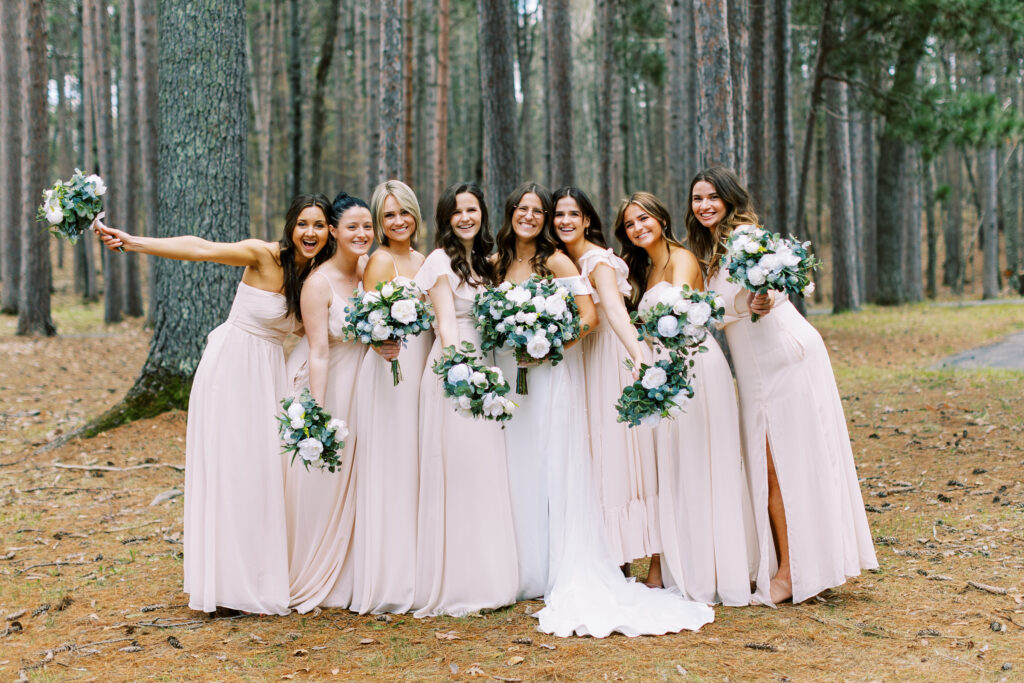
478	264
594	232
546	244
406	199
294	276
636	258
708	246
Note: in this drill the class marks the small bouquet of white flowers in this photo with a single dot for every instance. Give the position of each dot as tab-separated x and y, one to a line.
310	433
392	311
760	260
477	390
534	318
679	320
69	207
659	393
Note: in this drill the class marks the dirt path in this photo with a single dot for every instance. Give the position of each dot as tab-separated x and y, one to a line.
1007	354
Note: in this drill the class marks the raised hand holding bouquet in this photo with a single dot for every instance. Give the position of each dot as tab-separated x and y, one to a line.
535	319
69	207
310	433
679	320
477	390
759	260
394	310
658	394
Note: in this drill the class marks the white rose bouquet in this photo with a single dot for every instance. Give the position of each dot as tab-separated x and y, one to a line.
659	393
475	389
534	318
760	260
310	434
392	311
680	319
69	207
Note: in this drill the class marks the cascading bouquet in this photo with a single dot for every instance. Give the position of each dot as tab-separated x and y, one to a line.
392	311
310	433
759	260
477	390
69	207
658	394
679	320
534	318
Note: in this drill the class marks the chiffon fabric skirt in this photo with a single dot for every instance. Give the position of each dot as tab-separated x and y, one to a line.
387	479
235	541
320	505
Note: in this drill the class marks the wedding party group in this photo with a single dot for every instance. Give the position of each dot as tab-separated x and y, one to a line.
550	481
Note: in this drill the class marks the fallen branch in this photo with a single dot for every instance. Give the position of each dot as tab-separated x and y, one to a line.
108	468
48	564
987	588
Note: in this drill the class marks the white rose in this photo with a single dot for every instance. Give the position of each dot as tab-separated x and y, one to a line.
380	332
755	275
54	214
539	346
500	377
491	405
504	286
752	247
99	187
387	290
371	298
459	373
518	295
376	317
554	305
530	319
719	302
288	436
682	306
310	449
668	326
552	328
787	257
500	327
297	423
478	379
739	240
699	313
404	311
510	320
670	296
697	332
465	403
809	289
507	406
651	420
339	428
770	263
495	313
562	292
296	411
654	378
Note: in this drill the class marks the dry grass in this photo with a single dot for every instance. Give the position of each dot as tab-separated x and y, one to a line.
940	454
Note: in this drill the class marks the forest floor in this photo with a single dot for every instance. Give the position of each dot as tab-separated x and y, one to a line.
90	556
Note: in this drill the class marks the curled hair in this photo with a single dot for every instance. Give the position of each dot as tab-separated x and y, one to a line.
637	258
406	199
294	276
546	244
594	233
478	270
343	201
709	245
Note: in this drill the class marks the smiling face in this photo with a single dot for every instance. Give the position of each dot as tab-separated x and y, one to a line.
570	223
642	228
706	204
466	219
398	222
310	233
528	216
355	231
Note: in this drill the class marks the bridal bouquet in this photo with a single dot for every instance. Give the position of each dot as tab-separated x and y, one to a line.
391	311
534	318
659	393
477	390
760	260
69	207
310	433
679	320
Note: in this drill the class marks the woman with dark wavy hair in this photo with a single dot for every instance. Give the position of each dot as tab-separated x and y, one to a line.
807	504
465	554
236	553
527	247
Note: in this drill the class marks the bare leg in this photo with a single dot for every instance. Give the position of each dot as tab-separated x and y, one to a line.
626	569
654	579
781	588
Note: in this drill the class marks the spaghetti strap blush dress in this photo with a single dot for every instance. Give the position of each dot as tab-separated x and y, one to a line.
320	505
706	516
466	554
789	399
236	548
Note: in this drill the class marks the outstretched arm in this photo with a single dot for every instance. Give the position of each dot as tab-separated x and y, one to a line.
603	278
316	299
562	266
443	301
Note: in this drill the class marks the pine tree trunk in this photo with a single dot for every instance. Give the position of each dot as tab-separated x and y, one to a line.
373	113
85	250
820	173
406	23
497	84
912	209
129	173
739	71
606	104
525	46
932	230
988	179
678	93
146	56
857	151
756	107
34	297
392	119
845	291
868	229
714	83
952	233
10	158
559	47
440	148
295	35
318	114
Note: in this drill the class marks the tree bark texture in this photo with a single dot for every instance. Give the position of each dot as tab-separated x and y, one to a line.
756	105
526	45
845	290
952	232
558	27
739	71
10	158
988	180
678	170
392	118
202	191
295	31
866	173
912	209
714	83
497	83
34	296
606	104
932	229
85	254
146	56
318	114
373	121
407	24
129	171
440	148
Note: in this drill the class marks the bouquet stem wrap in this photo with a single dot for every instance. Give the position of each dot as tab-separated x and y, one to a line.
396	372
